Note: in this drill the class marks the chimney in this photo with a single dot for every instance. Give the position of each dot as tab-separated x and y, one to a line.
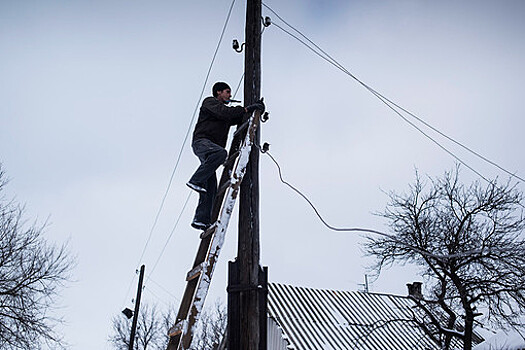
414	290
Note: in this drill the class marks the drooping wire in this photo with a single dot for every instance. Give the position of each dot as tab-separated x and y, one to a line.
155	221
333	228
389	103
359	229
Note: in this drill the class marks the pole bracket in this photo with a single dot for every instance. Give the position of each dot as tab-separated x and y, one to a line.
238	48
238	288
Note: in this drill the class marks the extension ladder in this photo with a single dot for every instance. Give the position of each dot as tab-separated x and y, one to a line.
199	277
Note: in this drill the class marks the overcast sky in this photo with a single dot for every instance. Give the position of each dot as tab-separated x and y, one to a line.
96	98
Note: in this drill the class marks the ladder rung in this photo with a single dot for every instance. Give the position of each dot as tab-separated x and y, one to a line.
209	231
196	271
177	328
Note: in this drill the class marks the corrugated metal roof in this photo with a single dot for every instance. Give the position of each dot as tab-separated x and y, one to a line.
328	319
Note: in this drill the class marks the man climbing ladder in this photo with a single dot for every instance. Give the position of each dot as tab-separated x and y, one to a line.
198	279
209	142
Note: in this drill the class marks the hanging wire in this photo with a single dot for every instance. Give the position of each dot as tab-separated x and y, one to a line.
359	229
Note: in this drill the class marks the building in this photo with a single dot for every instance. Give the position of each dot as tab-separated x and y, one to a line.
302	318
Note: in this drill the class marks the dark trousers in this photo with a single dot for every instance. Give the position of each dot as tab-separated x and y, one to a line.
211	156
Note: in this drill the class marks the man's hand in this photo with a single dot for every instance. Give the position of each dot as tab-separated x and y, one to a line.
259	105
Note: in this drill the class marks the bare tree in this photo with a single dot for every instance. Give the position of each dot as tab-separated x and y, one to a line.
212	327
151	330
468	241
153	326
31	274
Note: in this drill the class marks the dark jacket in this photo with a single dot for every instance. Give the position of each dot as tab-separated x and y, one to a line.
215	120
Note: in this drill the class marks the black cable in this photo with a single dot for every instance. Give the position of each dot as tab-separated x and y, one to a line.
384	100
358	229
333	228
390	103
184	141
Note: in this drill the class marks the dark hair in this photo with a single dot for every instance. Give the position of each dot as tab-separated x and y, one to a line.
219	86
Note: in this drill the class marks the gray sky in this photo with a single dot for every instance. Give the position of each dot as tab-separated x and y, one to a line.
96	97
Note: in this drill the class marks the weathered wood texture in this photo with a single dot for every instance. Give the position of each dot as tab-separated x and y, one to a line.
250	331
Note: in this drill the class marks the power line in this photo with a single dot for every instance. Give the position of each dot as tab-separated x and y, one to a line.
164	289
239	85
359	229
383	100
389	103
185	140
157	297
169	237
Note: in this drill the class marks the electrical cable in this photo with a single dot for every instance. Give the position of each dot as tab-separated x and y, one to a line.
164	289
239	85
184	141
359	229
156	296
391	103
384	100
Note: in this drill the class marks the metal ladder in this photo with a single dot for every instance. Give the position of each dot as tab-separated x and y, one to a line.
199	277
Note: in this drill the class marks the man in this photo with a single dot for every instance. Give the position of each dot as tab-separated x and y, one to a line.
209	142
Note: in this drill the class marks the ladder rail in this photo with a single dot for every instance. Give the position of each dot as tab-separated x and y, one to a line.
181	334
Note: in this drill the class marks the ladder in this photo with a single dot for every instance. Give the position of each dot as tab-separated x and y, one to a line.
199	277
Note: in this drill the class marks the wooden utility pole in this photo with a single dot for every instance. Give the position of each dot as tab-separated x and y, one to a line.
247	280
137	306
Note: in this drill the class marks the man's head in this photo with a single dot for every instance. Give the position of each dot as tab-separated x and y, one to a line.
222	91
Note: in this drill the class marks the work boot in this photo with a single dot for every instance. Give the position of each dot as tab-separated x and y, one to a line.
199	225
196	187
